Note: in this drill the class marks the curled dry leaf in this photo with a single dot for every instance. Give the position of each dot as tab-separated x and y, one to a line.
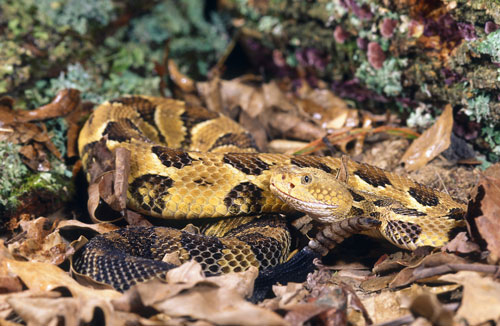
66	101
481	297
219	300
111	184
15	128
431	143
185	83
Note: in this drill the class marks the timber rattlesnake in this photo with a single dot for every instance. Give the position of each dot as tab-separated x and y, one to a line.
190	163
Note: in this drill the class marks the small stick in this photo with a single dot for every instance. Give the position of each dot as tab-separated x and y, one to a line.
438	270
442	182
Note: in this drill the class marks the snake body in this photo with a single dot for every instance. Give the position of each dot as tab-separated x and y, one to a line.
191	163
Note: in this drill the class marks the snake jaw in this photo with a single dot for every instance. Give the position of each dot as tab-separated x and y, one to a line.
318	210
312	191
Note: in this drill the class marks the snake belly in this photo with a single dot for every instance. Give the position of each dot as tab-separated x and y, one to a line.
191	163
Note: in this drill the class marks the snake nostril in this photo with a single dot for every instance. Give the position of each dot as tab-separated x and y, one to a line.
283	177
292	186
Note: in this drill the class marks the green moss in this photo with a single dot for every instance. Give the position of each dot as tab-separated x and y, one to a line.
11	57
16	180
75	77
491	135
491	46
125	62
386	80
478	107
12	173
57	129
193	37
75	15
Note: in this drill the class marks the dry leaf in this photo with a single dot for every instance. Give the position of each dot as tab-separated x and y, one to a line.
217	299
8	281
95	227
185	83
66	101
384	307
431	143
47	277
461	244
5	308
331	111
73	311
40	243
109	182
406	276
428	306
487	224
285	146
481	297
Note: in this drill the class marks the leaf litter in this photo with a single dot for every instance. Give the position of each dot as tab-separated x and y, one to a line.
368	282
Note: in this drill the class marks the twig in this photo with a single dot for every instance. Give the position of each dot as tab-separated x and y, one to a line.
217	69
442	182
438	270
406	319
346	135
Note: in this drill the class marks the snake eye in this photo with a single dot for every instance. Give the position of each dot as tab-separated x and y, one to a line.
306	179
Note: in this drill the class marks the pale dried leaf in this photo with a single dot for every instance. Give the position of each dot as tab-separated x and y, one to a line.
218	305
431	143
96	227
46	277
6	309
481	297
74	311
384	306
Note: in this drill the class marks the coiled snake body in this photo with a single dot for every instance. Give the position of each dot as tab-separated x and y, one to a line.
190	163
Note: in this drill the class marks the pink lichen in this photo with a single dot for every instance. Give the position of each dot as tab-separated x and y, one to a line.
376	55
340	35
387	27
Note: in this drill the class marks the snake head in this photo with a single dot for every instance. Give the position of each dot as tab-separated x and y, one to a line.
312	191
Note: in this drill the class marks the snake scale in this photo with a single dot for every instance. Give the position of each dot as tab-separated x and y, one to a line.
190	163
